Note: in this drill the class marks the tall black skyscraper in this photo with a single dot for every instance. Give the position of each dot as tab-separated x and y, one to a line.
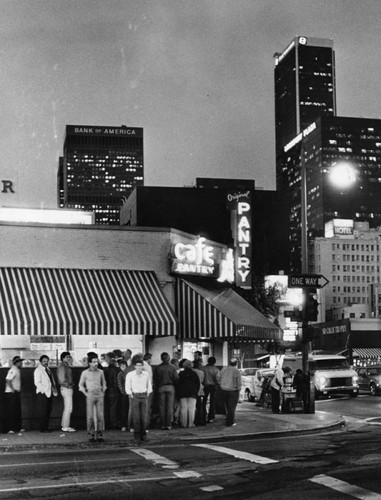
100	166
328	141
304	89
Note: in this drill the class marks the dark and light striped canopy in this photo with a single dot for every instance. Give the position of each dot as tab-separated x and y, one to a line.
37	301
212	314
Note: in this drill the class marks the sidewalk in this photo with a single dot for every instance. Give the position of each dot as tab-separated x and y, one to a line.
252	421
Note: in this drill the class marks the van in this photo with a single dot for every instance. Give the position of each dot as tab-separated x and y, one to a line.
332	373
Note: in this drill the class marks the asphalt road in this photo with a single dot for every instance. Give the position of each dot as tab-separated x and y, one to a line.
338	465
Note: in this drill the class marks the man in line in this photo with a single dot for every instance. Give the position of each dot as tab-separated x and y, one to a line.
164	378
276	386
147	360
125	404
12	397
46	388
231	383
212	378
93	385
138	388
65	381
112	393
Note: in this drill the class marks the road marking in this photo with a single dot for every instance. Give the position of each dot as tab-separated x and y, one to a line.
155	458
238	454
370	420
185	474
85	483
211	488
343	487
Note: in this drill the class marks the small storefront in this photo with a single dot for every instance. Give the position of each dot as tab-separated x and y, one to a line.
219	322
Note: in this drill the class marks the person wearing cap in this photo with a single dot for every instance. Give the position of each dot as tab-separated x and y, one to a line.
231	383
12	397
45	389
65	380
138	388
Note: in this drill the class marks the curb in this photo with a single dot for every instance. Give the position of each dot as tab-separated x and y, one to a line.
179	440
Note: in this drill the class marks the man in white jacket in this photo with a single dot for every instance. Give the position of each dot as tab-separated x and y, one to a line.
46	388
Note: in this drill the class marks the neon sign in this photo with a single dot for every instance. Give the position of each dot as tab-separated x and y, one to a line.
202	259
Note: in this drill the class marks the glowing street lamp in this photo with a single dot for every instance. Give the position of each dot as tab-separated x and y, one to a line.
342	174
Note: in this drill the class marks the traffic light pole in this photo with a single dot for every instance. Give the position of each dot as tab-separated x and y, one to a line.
304	251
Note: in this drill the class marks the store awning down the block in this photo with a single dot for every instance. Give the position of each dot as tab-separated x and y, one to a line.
40	301
367	352
220	314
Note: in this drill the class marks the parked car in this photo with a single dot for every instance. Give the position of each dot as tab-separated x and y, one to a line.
252	379
369	379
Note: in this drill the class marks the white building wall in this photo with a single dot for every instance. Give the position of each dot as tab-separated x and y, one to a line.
352	266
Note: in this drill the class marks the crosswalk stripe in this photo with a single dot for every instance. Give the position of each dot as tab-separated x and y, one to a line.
155	458
250	457
343	487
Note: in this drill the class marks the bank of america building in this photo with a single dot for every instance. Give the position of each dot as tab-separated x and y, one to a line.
99	168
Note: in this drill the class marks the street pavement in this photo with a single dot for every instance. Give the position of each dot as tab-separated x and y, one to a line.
252	421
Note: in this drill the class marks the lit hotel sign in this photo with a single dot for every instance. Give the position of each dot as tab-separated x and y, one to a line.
202	259
339	227
240	203
300	136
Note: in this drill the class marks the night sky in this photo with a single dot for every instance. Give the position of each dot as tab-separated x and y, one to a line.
196	75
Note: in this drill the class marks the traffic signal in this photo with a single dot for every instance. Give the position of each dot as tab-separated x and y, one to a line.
311	306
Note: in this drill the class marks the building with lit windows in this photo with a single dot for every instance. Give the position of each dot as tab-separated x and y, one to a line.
321	145
100	166
349	257
304	89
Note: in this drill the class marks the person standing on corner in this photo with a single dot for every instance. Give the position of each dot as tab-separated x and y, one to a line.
45	389
93	385
138	388
211	381
165	378
12	398
231	383
112	393
65	381
276	386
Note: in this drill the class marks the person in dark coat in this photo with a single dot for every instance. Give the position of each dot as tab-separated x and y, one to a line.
187	391
300	383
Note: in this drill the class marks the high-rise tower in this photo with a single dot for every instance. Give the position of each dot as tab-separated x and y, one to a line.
304	89
101	166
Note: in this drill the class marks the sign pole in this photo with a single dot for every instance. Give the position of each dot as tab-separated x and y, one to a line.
304	251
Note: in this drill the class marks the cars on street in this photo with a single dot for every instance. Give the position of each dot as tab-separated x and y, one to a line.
369	379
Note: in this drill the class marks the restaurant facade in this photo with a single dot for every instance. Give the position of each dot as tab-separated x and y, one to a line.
93	288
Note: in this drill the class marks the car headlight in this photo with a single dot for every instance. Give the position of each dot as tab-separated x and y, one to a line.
322	381
354	379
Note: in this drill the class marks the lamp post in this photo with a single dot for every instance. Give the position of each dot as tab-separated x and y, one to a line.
343	175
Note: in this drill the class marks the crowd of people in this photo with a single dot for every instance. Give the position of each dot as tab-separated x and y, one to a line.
125	392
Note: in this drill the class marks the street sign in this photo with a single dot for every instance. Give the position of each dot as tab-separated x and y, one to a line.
307	281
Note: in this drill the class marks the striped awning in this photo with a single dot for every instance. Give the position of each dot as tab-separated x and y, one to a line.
366	352
36	301
212	314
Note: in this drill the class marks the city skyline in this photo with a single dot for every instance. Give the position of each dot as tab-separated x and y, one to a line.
198	78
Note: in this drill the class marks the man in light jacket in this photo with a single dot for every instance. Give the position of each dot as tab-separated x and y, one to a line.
231	383
46	388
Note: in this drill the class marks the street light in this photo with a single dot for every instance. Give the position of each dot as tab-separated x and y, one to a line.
342	174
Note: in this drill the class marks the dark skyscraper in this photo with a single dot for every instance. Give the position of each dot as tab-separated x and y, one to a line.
328	141
100	166
304	89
